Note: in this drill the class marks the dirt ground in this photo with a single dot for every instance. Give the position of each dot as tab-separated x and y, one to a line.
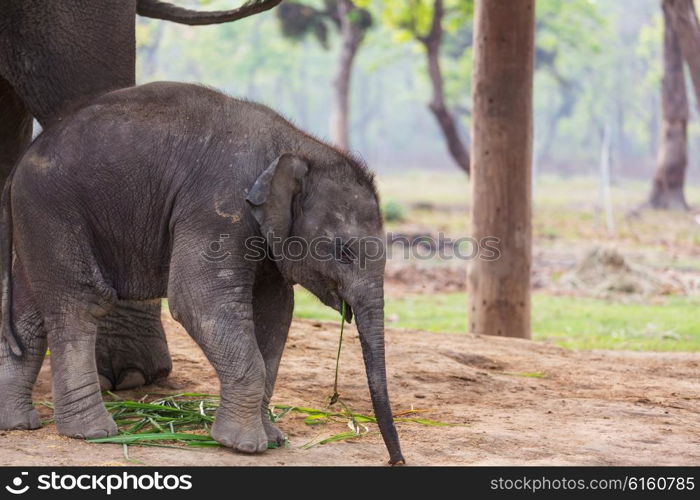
589	408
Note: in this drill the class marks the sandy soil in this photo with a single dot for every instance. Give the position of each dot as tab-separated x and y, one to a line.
590	408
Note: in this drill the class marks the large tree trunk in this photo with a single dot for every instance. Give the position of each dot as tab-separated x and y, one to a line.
437	105
684	20
667	190
351	35
501	169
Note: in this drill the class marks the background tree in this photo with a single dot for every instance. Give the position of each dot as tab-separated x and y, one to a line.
681	42
667	190
611	51
564	32
684	19
352	23
424	21
499	290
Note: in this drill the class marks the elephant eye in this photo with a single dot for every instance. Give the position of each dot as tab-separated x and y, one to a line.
343	253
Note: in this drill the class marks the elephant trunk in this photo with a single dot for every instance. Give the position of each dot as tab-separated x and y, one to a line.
368	305
169	12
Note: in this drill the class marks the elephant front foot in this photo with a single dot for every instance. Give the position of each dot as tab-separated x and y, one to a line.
131	348
87	425
246	438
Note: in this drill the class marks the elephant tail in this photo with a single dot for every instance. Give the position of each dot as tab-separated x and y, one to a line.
169	12
8	329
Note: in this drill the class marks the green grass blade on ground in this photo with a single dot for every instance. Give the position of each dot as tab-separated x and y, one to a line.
156	436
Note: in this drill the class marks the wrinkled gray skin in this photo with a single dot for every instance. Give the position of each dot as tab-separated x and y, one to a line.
53	55
189	165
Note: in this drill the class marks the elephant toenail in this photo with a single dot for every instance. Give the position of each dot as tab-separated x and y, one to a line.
247	447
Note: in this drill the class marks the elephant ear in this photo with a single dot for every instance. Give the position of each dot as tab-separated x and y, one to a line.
271	198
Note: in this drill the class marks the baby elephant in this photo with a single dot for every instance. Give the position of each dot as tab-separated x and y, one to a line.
221	205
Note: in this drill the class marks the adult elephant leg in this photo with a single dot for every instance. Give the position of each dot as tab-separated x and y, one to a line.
15	129
131	349
273	304
18	373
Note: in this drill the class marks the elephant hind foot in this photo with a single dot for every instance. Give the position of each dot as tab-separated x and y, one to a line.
19	420
274	433
128	379
131	348
16	409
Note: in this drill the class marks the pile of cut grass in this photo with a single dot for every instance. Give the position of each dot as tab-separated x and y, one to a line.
169	421
181	419
184	421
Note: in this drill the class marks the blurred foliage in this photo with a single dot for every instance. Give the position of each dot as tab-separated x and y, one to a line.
412	18
598	64
393	211
571	26
298	19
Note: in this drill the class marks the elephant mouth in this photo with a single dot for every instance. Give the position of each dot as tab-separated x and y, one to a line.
338	306
348	313
329	294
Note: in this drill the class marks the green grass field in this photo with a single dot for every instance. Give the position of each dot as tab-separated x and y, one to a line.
564	210
577	323
566	216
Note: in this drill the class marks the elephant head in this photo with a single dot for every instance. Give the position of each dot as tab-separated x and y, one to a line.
324	229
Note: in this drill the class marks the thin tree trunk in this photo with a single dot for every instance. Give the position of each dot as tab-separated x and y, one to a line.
568	96
667	190
149	53
654	125
351	35
499	289
446	121
605	182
